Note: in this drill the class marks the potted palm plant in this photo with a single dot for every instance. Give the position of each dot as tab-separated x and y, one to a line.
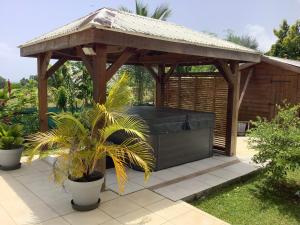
11	146
80	141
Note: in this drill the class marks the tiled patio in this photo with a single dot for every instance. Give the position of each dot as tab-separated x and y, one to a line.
29	197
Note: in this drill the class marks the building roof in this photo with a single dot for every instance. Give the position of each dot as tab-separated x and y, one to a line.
282	60
288	64
124	22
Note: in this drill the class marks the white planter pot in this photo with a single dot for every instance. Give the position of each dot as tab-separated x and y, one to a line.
85	195
10	159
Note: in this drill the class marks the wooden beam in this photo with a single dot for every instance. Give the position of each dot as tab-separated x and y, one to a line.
126	54
197	74
42	64
249	75
116	38
141	42
55	67
86	61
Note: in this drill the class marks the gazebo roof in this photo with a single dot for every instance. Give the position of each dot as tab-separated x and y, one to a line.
118	23
111	19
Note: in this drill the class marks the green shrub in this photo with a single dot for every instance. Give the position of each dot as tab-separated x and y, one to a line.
11	136
277	142
29	120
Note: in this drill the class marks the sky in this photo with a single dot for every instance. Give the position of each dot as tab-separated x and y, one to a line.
22	20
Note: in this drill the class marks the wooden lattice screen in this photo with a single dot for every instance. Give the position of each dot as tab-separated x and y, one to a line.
201	93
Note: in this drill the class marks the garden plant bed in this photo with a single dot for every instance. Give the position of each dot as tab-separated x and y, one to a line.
244	203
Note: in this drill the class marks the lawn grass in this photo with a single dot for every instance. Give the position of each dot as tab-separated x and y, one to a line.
244	203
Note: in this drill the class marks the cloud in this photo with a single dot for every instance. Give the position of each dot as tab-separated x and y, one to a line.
264	39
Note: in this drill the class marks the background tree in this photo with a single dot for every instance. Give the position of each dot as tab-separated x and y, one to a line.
288	41
71	86
141	79
244	40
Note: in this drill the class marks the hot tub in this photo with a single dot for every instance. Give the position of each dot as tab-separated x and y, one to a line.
177	136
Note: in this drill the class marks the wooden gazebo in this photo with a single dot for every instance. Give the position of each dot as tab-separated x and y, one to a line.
107	39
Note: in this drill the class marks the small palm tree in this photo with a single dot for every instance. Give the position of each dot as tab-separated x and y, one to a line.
79	142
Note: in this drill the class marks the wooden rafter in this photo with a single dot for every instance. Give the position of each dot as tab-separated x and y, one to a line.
225	70
170	72
250	73
86	61
55	67
126	54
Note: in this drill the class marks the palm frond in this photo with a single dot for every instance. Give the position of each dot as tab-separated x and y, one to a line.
137	152
129	125
141	8
119	95
163	12
41	140
125	9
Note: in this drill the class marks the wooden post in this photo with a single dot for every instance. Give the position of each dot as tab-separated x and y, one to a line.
99	90
99	81
42	64
232	111
232	76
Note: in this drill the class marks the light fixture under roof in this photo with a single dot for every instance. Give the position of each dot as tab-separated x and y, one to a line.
88	51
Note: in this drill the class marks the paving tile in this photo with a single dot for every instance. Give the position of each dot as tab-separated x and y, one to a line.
56	221
193	185
110	178
131	173
195	218
168	223
183	170
107	196
24	214
241	168
224	158
210	179
112	222
168	209
173	192
119	207
5	219
144	197
34	177
56	194
199	166
225	174
94	217
166	175
61	206
141	217
182	189
152	181
130	187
